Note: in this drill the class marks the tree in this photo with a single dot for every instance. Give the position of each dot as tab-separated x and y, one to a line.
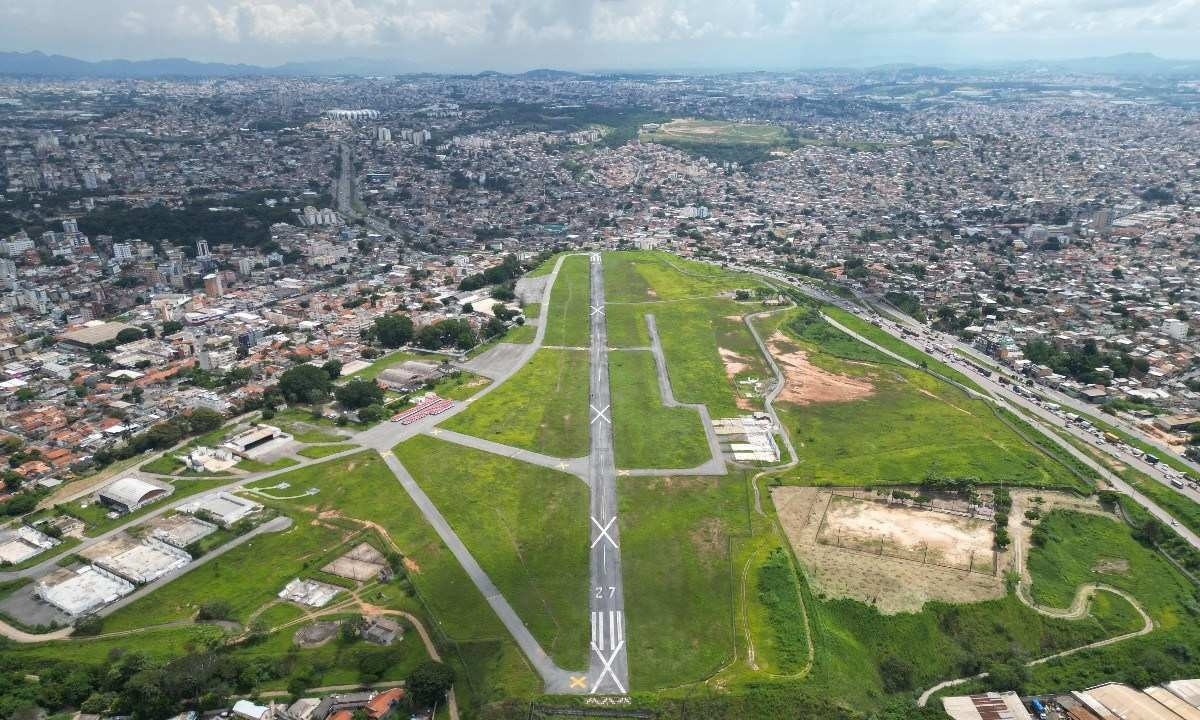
205	420
393	331
333	368
304	384
129	335
429	682
359	394
170	327
896	673
371	413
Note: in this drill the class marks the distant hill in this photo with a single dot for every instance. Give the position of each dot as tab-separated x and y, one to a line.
41	64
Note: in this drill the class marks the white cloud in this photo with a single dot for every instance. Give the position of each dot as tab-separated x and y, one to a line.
254	29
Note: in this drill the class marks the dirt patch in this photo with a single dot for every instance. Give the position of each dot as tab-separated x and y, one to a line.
1111	566
891	583
908	533
316	635
411	565
709	538
806	383
735	364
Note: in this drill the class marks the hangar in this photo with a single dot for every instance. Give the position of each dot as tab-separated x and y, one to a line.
256	438
77	592
129	494
222	508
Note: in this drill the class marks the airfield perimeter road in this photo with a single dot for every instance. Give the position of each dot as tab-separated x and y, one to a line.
608	671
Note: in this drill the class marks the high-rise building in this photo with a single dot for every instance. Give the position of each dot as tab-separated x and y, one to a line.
213	285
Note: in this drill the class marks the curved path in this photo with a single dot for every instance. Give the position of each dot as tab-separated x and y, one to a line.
1077	610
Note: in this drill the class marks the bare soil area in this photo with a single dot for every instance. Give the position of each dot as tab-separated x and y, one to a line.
891	584
806	383
925	535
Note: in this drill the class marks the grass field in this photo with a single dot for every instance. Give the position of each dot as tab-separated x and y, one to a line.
319	451
543	407
567	317
654	276
527	527
390	360
680	623
257	466
696	318
903	349
720	131
647	434
1081	548
913	426
167	464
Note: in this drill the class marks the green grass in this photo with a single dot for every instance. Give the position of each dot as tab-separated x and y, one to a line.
779	594
257	466
460	385
543	407
520	334
655	276
302	426
691	130
567	317
532	310
889	342
675	553
693	335
390	360
912	427
165	465
319	451
525	525
1082	548
647	434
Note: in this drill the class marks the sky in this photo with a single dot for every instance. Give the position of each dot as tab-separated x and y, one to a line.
514	35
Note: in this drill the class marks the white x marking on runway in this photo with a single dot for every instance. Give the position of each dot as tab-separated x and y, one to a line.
597	309
600	414
607	669
604	531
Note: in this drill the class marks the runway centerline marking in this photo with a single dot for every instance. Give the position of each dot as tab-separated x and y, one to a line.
604	531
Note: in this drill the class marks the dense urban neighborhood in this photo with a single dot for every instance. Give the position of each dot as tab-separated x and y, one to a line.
838	394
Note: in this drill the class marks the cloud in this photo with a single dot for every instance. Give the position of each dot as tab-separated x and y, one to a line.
514	29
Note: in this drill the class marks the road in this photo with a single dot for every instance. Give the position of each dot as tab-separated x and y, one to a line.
1047	421
608	671
1002	395
278	524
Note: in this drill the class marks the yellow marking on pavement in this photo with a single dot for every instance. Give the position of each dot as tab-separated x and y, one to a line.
579	681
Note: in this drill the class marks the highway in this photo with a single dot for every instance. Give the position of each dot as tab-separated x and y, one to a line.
1005	397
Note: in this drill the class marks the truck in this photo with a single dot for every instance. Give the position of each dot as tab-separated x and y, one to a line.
1112	438
1152	459
1038	708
